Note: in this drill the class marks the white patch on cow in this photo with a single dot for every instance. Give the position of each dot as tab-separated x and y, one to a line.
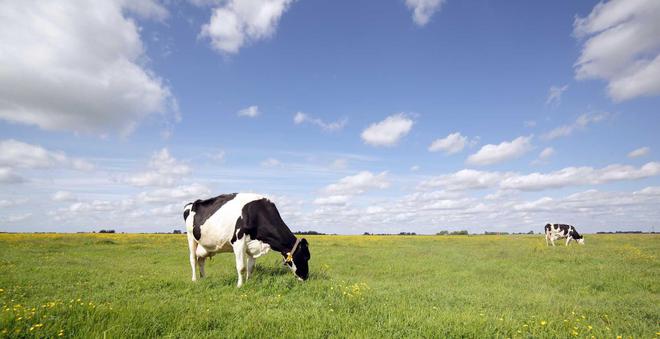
256	248
217	230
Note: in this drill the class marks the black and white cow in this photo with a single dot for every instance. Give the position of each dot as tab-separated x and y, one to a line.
248	225
556	231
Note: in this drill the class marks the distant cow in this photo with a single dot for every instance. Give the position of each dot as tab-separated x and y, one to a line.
556	231
248	225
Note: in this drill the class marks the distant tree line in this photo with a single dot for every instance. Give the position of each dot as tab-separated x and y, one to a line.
461	232
309	233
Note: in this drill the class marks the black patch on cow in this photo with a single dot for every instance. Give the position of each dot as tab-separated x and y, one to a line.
204	209
185	214
574	233
238	229
548	227
564	229
261	220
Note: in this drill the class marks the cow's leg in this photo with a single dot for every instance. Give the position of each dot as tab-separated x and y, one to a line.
239	252
250	266
201	261
192	245
547	238
552	240
568	240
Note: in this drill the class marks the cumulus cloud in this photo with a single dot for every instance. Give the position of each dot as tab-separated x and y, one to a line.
580	123
545	154
8	176
358	183
182	194
389	131
465	179
640	152
622	46
60	196
507	150
80	66
165	171
451	144
339	200
17	154
250	112
239	22
469	179
554	94
301	118
578	176
423	10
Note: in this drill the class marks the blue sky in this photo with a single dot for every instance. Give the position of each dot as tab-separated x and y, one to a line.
353	116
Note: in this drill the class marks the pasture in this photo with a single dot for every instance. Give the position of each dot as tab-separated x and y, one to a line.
118	286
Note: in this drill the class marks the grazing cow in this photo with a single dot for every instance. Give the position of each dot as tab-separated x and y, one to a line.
244	223
556	231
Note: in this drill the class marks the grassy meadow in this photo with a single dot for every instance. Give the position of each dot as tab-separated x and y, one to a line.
128	285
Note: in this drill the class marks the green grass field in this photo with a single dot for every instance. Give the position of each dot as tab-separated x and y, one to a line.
119	286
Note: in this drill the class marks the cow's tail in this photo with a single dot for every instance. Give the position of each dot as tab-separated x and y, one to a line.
188	214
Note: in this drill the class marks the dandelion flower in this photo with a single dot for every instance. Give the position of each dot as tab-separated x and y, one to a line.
543	322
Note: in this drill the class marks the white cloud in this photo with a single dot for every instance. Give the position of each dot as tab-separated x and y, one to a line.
451	144
271	162
414	168
621	46
507	150
358	183
423	10
12	218
580	123
250	112
337	200
554	95
468	179
179	194
17	154
4	203
465	179
578	176
301	117
8	176
640	152
92	48
389	131
165	171
240	22
546	153
63	196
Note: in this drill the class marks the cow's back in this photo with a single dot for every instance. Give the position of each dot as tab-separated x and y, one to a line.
216	232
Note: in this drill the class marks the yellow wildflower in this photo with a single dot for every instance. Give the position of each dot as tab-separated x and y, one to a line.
543	322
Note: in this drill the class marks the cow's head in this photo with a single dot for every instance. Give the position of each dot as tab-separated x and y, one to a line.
300	257
580	241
